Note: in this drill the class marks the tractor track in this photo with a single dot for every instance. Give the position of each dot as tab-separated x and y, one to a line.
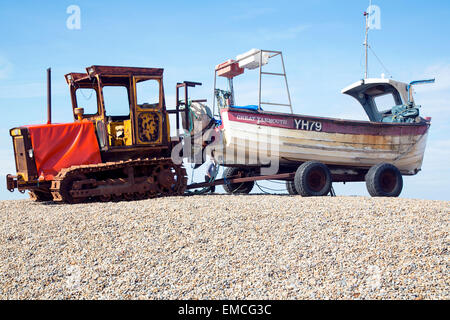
118	181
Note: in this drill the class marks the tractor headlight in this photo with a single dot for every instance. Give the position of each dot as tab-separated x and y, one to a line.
15	132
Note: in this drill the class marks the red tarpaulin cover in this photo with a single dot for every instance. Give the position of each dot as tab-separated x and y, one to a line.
58	146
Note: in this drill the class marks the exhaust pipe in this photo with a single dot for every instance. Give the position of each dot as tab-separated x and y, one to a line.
49	96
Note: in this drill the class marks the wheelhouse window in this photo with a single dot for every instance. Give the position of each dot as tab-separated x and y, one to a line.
147	93
87	99
385	102
116	101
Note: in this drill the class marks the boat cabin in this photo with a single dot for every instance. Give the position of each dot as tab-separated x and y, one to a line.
370	92
373	94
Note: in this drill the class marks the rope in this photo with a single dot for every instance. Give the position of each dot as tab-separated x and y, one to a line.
204	189
275	190
332	193
77	86
277	182
193	170
379	60
259	187
237	188
212	122
90	95
191	115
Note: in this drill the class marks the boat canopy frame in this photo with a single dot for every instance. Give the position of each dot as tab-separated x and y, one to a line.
260	53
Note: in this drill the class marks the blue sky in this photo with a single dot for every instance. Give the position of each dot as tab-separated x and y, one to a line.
321	41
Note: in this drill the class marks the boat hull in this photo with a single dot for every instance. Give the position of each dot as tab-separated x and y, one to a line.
252	138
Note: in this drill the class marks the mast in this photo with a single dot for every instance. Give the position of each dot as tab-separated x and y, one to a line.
366	41
366	45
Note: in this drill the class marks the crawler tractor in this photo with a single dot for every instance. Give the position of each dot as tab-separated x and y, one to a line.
102	155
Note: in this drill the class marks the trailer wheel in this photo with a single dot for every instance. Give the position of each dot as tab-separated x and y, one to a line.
384	180
313	179
237	188
290	187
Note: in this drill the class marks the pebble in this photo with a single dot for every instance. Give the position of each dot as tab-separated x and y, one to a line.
226	247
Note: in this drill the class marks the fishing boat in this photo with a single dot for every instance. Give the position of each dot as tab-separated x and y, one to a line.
379	151
397	135
309	152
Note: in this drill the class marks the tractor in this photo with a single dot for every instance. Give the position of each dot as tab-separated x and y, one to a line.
104	154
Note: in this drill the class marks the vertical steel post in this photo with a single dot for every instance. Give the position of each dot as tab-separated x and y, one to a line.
49	96
230	85
214	93
287	86
186	109
259	84
177	109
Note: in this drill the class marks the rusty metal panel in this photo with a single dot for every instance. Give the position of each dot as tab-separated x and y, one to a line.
20	154
111	70
24	157
11	182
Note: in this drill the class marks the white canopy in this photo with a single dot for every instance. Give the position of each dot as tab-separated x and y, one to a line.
401	87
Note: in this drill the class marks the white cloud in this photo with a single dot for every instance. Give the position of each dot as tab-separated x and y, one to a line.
30	90
442	74
5	67
253	13
26	90
435	98
7	164
290	33
269	34
435	106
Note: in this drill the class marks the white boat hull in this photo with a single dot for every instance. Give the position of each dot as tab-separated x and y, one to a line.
253	139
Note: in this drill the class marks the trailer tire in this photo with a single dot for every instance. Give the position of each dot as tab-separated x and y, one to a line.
290	187
313	179
384	180
237	188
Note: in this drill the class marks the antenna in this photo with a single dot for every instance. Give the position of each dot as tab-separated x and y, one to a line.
366	41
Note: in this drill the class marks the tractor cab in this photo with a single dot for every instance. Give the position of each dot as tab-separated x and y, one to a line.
125	104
